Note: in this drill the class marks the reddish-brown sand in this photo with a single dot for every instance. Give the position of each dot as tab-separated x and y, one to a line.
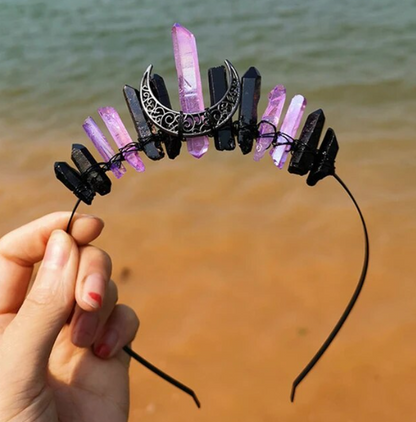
239	271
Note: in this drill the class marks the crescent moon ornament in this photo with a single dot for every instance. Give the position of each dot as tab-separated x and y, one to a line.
193	124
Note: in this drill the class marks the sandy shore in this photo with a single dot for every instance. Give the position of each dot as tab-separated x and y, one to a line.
238	273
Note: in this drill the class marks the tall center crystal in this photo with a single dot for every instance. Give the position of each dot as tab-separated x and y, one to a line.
189	81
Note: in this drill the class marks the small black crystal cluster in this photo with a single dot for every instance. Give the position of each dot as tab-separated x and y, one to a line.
90	177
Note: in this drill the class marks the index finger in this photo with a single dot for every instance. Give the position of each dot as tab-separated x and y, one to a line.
25	246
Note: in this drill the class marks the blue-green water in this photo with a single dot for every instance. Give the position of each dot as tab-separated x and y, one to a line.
60	60
231	261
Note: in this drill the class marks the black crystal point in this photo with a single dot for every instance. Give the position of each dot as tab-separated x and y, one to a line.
305	151
73	181
324	164
247	117
223	137
150	144
94	174
173	144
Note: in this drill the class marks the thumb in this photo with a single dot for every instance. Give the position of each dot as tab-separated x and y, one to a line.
29	339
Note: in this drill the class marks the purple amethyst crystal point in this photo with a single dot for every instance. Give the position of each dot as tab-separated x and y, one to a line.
272	114
189	81
120	135
103	147
289	127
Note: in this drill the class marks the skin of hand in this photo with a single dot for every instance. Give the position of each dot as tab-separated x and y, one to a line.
61	340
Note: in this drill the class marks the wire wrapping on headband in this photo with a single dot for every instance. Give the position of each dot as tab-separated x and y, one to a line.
237	126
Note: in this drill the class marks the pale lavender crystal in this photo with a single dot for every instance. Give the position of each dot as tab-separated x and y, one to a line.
272	114
290	126
103	147
120	135
189	81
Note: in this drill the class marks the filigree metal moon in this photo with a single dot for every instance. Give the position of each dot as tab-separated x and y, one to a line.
193	124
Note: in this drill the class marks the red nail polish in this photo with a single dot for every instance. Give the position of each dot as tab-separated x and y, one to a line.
96	297
107	344
103	351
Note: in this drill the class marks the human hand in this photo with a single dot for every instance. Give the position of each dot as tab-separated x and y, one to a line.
61	356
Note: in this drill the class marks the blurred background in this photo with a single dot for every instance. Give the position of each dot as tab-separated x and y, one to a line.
237	270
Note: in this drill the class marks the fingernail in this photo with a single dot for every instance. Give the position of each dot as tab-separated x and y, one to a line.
107	344
57	250
93	217
93	290
85	329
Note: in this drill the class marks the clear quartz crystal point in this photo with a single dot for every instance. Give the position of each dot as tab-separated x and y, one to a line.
102	145
189	81
120	135
289	127
272	114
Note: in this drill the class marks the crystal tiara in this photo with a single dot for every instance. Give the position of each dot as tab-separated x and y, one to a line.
160	128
